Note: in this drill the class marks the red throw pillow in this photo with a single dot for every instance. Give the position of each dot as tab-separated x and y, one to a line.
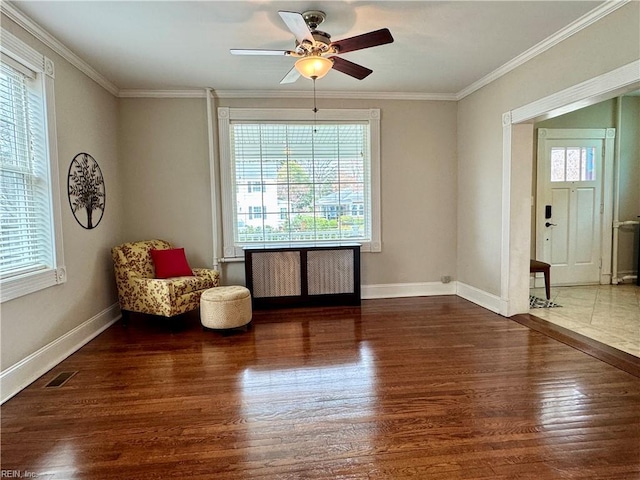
171	263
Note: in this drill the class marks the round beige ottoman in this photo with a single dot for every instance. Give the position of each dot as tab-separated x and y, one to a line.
225	307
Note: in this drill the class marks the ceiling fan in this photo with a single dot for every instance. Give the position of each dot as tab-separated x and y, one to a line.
316	52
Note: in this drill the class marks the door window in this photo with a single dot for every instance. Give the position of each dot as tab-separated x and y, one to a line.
573	164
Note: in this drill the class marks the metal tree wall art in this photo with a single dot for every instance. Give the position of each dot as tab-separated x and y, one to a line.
85	185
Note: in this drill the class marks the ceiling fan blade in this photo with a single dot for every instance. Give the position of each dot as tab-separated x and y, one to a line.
350	68
246	51
366	40
295	22
291	76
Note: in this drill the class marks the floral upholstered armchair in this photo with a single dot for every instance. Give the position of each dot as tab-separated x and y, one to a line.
141	287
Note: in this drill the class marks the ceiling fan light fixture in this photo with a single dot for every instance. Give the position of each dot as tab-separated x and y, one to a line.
314	66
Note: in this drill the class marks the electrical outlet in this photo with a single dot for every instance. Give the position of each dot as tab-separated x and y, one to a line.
445	279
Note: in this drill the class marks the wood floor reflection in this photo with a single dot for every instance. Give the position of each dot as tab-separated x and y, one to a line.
423	388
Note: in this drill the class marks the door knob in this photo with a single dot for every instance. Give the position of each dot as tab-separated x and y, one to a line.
550	224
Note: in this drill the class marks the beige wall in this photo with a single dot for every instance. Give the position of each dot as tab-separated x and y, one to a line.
600	115
165	164
86	118
165	174
601	47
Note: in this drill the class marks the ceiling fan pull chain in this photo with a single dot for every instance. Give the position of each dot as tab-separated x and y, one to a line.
315	108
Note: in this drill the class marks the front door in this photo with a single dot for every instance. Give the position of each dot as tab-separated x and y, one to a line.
570	204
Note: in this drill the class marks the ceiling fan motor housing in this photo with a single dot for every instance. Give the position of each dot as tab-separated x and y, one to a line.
322	39
314	18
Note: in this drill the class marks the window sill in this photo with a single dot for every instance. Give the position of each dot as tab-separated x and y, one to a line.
237	251
31	282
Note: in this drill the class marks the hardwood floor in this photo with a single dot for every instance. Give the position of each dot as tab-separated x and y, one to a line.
424	388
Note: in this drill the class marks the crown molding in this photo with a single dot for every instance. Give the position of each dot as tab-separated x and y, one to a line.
445	97
262	94
140	93
54	44
581	23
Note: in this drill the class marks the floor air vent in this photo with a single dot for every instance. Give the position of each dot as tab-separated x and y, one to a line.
60	379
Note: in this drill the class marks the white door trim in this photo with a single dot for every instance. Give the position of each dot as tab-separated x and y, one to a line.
514	295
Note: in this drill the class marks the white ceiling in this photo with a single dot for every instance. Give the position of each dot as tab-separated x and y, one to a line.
440	47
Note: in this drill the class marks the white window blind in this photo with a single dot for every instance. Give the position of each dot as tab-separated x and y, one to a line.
24	220
319	178
30	243
313	173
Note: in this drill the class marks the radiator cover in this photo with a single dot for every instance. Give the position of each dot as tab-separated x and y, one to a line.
303	276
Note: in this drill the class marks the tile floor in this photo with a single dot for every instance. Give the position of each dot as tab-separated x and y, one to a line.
607	313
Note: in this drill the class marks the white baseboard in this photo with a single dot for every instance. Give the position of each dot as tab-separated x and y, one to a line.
396	290
482	298
29	369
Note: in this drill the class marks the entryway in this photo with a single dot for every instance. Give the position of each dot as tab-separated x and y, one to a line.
517	149
573	205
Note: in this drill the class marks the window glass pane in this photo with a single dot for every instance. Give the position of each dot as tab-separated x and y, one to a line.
242	227
273	227
302	227
297	197
14	128
326	153
311	181
557	164
588	170
573	164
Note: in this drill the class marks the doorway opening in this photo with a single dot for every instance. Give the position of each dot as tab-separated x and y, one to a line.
519	214
517	172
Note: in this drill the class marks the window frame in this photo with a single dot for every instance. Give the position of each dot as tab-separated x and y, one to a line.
226	115
54	274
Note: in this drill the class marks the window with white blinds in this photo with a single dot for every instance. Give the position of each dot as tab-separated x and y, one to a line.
24	222
288	179
28	240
